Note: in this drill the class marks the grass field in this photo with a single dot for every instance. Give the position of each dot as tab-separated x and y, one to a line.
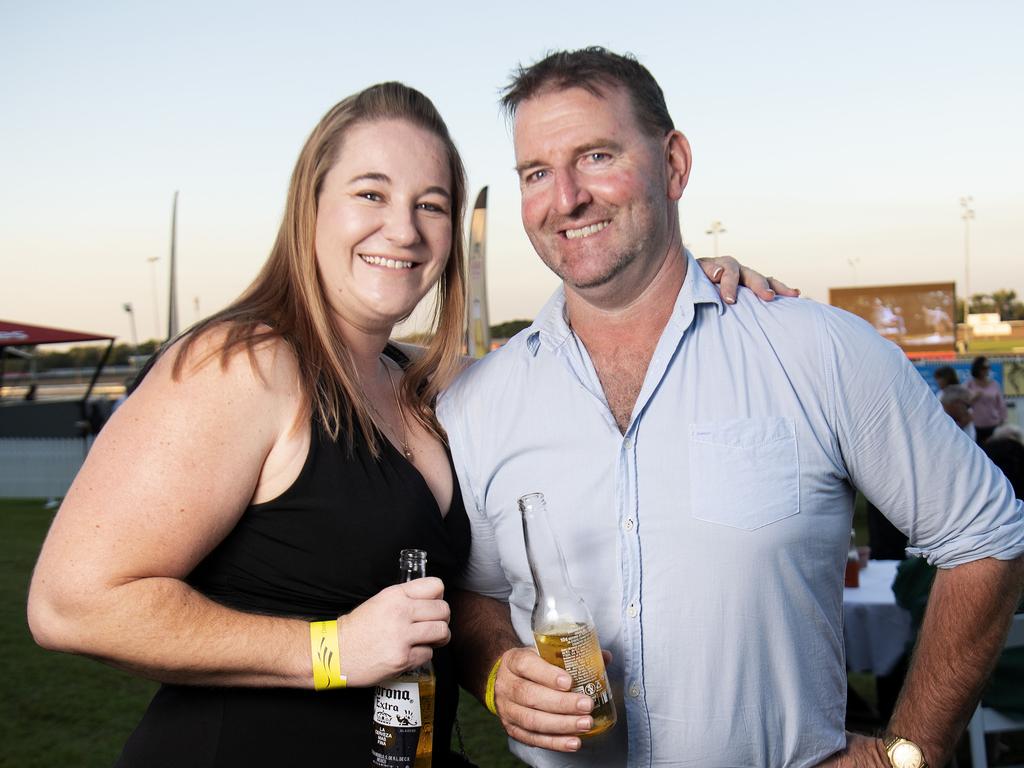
58	710
1010	346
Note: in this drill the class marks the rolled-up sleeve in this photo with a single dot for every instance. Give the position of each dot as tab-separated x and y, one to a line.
910	459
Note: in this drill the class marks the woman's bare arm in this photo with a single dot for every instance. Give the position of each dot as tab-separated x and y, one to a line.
164	483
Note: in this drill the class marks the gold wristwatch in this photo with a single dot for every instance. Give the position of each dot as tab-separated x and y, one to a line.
903	753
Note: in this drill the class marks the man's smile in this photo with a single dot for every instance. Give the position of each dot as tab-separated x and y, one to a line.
587	231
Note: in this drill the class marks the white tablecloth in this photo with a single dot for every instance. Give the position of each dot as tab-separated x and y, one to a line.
875	629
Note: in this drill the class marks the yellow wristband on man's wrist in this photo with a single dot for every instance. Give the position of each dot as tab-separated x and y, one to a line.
489	691
326	657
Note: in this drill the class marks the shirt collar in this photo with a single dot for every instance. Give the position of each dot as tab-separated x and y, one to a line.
697	289
550	328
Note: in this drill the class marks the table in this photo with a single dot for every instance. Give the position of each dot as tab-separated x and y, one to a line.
875	629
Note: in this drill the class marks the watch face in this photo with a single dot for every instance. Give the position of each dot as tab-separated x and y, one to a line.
906	755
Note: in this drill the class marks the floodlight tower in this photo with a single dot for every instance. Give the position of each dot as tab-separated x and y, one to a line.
131	314
716	230
156	297
967	213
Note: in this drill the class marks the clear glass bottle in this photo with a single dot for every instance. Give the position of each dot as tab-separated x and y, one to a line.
563	627
403	707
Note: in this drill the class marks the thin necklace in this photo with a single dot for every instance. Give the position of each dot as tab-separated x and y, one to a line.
406	450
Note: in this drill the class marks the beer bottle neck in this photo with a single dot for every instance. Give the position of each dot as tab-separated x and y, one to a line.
547	564
412	564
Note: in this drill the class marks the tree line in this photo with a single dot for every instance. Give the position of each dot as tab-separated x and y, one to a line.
84	356
1004	303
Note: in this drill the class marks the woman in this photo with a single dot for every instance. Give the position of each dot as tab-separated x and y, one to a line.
987	404
275	460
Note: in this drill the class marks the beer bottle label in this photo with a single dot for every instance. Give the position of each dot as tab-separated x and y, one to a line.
396	724
576	650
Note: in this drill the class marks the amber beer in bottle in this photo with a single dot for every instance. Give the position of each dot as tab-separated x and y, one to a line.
563	628
403	707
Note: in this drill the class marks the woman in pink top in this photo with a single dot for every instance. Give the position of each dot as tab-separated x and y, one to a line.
988	406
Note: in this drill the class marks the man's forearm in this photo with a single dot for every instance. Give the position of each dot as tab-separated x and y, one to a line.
481	632
965	626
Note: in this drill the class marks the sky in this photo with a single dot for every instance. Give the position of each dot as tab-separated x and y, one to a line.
833	141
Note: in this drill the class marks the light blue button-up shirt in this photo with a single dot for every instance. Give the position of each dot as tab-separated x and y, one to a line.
710	539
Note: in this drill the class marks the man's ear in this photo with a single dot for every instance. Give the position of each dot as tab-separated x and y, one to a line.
679	160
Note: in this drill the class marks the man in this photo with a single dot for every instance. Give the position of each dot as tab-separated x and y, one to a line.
699	467
956	401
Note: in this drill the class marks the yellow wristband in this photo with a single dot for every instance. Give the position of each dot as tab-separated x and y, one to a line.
489	692
323	646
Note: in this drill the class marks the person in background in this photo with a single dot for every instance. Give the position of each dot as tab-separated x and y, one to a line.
986	399
1008	454
945	375
1008	432
956	401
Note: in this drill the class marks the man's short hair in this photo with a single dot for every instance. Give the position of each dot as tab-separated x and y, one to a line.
955	393
594	69
1008	432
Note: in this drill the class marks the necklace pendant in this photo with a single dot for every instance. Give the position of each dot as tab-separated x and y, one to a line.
407	451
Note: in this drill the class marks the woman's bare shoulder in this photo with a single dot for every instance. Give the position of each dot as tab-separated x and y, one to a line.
220	351
209	383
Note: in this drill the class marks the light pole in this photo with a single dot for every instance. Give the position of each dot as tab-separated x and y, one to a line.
716	230
156	300
135	336
967	213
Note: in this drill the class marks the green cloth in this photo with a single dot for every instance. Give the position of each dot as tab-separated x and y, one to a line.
1005	690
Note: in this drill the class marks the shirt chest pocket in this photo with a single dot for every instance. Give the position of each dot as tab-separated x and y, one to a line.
744	473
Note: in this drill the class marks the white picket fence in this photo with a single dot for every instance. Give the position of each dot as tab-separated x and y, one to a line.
39	467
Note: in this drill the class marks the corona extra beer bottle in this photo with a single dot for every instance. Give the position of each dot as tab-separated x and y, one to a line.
403	707
563	627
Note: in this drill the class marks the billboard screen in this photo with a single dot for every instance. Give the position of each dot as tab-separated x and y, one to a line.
918	317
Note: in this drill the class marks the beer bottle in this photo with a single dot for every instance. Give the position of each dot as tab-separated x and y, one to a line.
562	625
852	575
403	707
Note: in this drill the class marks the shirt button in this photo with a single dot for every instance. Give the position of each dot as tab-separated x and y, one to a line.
632	610
628	524
627	443
634	690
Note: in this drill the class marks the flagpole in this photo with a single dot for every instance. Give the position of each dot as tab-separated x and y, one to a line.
172	301
478	334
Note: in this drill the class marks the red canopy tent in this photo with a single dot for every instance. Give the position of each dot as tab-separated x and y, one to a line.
24	335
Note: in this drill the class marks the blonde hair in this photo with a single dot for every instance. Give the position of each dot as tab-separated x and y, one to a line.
287	299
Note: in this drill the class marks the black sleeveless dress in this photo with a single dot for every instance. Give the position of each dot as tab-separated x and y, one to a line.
328	543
